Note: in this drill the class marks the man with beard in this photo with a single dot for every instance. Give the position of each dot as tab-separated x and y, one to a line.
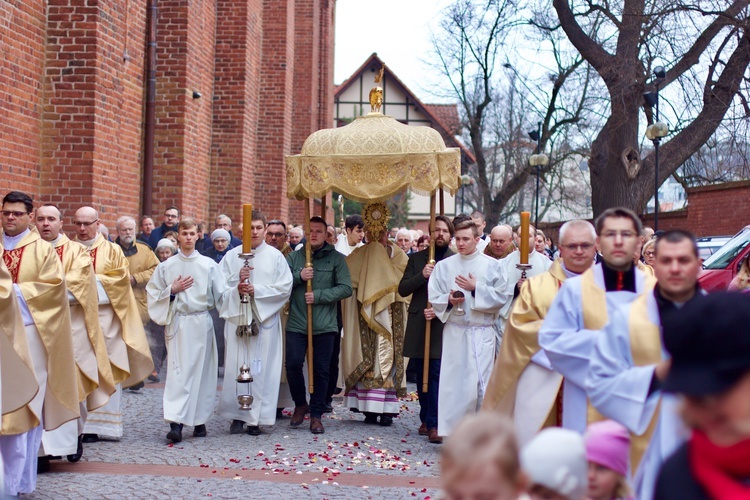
414	282
141	264
629	360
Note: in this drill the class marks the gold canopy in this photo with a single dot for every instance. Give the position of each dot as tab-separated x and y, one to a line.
371	159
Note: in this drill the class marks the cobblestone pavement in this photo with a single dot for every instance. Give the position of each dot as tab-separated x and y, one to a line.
351	460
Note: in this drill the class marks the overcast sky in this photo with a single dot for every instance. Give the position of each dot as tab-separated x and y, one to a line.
399	32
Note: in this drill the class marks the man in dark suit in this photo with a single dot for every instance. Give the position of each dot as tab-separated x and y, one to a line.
414	283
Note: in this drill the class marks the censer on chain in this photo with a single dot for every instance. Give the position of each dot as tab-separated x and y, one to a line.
244	332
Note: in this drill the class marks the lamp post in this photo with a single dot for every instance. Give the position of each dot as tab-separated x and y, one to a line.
654	133
466	180
537	161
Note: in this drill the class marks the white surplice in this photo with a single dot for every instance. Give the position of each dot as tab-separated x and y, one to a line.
568	345
619	390
193	362
272	284
468	340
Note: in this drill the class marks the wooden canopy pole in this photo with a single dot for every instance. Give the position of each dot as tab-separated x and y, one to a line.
428	324
308	263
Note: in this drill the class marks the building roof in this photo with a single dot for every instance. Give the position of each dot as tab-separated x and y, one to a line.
443	117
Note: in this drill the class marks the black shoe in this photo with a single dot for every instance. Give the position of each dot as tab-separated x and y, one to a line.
79	451
90	438
137	387
253	430
42	465
199	431
175	432
236	427
279	413
154	378
328	408
371	418
386	420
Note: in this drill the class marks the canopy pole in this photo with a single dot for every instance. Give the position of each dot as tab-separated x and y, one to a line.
308	263
442	204
428	324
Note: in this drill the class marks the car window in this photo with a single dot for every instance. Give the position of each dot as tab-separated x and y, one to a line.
723	256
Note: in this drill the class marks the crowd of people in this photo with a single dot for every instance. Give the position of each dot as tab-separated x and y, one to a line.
569	372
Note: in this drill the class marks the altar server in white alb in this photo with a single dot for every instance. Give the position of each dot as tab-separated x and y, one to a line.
629	361
268	284
180	293
584	306
469	317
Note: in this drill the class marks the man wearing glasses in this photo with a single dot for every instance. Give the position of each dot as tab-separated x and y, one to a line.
127	346
276	237
171	220
584	305
223	221
46	341
522	368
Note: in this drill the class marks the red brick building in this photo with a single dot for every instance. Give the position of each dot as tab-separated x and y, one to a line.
239	84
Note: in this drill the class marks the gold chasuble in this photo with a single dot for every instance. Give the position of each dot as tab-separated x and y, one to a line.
36	269
646	349
19	382
111	268
645	268
521	338
96	383
375	318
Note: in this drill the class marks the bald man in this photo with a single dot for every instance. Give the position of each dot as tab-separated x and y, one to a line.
501	242
127	347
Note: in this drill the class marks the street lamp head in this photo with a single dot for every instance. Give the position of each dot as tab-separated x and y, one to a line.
660	72
539	160
657	131
534	135
651	98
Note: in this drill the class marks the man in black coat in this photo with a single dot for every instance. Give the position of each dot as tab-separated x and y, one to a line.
710	348
414	283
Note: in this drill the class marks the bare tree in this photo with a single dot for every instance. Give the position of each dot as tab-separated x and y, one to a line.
705	46
497	105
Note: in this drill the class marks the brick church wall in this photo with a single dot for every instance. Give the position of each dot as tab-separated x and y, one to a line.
72	99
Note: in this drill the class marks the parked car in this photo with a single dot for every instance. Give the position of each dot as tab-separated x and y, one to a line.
720	268
707	245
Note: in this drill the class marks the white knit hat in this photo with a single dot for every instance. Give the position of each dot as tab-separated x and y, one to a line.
165	242
220	233
556	459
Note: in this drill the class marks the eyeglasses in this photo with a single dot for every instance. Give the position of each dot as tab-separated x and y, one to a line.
275	235
582	246
84	224
650	253
8	213
171	216
625	235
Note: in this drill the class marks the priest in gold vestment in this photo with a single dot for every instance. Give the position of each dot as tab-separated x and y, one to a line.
523	385
374	324
38	283
95	381
127	347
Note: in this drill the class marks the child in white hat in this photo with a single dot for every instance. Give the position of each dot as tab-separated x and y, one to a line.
555	463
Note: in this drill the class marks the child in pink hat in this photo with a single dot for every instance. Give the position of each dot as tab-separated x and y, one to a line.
608	454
